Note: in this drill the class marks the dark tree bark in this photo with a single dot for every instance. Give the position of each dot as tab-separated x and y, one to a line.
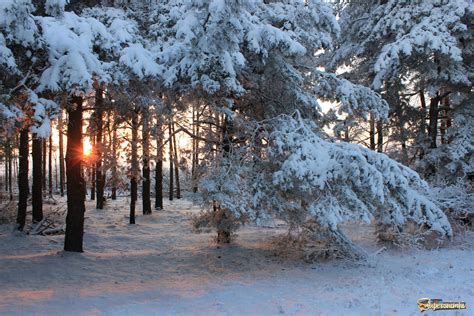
10	186
76	187
6	168
176	165
99	177
223	236
422	136
445	120
56	181
44	160
22	179
372	131
93	182
433	123
134	169
170	134
159	167
37	189
50	166
195	151
422	113
379	136
92	167
146	199
61	151
114	162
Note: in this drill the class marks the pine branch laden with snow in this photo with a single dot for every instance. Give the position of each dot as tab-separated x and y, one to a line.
352	99
70	40
17	26
44	112
399	35
212	44
299	176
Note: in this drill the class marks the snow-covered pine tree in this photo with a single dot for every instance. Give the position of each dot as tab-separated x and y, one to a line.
272	166
411	50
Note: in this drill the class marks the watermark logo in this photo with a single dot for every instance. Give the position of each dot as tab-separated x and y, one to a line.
437	304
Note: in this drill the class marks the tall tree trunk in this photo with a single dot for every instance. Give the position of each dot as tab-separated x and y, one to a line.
134	171
146	199
10	186
61	150
22	179
44	160
380	136
176	164
76	187
37	190
114	162
93	167
6	167
50	166
422	137
372	131
422	113
99	178
15	161
445	120
56	179
223	235
170	141
194	159
433	123
159	166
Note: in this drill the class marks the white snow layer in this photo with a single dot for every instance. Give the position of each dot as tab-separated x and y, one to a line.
158	267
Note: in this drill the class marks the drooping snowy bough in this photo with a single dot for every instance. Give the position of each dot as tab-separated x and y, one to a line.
298	176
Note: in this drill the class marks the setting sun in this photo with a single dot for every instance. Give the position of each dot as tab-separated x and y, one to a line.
87	147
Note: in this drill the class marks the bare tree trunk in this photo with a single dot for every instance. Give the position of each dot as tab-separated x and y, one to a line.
44	159
422	112
380	136
134	171
50	166
171	159
176	164
37	190
76	188
146	200
9	155
22	179
223	235
61	150
422	123
99	178
56	179
114	162
372	131
194	160
6	167
433	123
445	120
93	167
159	166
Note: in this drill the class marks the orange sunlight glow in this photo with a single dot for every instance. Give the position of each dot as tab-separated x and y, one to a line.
87	147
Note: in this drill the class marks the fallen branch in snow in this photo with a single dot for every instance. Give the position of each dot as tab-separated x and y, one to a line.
380	250
52	223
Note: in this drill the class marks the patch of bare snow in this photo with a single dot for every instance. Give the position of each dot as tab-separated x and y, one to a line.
159	267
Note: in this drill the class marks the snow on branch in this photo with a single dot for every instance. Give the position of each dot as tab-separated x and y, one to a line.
298	176
352	98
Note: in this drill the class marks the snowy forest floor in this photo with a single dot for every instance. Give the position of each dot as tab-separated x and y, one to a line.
159	267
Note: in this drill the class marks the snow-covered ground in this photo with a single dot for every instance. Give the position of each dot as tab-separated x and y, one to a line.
159	267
